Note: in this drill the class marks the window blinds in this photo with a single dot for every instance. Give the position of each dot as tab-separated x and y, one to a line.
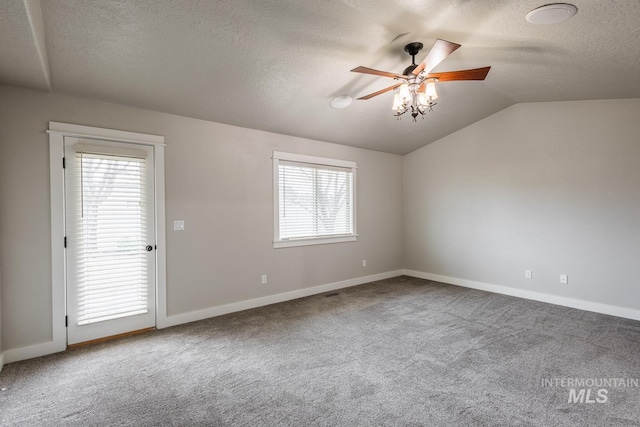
111	255
314	200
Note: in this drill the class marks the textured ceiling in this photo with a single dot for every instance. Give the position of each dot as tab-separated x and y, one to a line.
274	65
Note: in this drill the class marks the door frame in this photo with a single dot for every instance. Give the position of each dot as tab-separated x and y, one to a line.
57	132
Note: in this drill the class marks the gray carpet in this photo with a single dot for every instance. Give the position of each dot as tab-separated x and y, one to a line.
398	352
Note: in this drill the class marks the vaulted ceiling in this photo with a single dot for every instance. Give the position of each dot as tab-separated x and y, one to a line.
274	65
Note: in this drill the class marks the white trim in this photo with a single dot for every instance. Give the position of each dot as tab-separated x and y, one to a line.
314	241
57	132
58	279
275	184
1	361
273	299
354	201
29	352
596	307
89	132
161	239
303	158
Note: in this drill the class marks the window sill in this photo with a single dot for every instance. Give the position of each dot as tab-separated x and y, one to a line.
313	241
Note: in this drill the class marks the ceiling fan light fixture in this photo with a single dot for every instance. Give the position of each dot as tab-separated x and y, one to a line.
423	100
430	91
398	102
551	13
404	91
416	92
339	102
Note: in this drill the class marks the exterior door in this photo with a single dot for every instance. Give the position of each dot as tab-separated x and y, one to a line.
110	238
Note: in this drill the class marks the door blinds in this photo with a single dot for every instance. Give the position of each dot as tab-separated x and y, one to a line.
111	218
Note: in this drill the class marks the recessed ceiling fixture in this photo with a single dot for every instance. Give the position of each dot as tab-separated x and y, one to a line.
417	88
551	13
341	102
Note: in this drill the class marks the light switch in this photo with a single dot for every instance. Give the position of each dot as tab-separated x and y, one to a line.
178	225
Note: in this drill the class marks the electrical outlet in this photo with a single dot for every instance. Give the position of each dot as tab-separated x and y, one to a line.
564	279
264	279
527	274
178	225
364	262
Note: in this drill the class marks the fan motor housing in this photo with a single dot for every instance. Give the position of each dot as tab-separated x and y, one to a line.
409	69
412	49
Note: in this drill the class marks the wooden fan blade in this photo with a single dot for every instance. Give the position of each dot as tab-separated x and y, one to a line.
366	70
440	50
371	95
473	74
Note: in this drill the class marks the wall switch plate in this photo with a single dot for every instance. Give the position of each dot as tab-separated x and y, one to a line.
527	274
178	225
264	279
364	262
564	279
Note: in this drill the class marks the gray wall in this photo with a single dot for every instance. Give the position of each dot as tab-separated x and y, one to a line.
218	180
551	187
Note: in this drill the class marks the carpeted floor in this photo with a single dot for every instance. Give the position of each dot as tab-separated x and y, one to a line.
398	352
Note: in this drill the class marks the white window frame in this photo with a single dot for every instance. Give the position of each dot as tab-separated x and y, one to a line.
313	160
57	132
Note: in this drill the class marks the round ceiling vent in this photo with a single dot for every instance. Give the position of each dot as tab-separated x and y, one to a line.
341	102
551	13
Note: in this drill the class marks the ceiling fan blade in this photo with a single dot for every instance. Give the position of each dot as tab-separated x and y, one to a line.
366	70
473	74
371	95
440	50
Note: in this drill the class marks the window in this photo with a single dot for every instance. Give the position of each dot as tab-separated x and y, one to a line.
314	200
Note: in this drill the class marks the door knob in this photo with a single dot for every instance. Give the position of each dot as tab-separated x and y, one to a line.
149	248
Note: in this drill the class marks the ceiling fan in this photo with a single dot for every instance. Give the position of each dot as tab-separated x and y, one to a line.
417	90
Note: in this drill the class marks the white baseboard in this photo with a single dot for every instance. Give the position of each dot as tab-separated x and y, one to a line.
193	316
611	310
29	352
42	349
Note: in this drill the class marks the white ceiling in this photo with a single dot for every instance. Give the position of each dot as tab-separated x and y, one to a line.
274	65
